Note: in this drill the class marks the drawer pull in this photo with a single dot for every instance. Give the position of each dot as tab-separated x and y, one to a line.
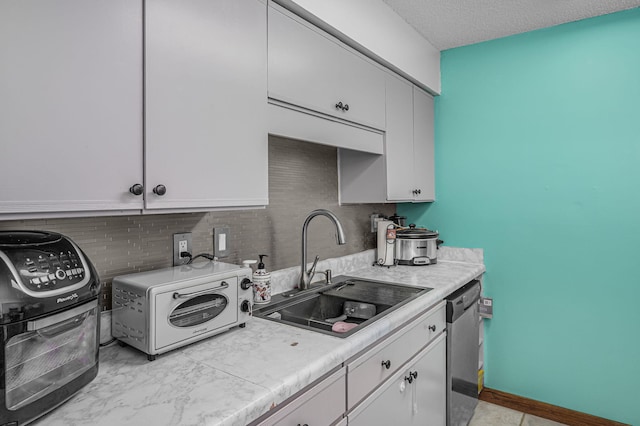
386	364
303	424
432	328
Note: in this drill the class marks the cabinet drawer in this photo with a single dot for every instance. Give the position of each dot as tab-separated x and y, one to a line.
310	69
323	404
393	402
369	370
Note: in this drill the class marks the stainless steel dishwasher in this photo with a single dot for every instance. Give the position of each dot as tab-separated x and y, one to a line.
463	329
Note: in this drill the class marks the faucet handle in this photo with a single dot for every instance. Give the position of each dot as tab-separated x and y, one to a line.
312	271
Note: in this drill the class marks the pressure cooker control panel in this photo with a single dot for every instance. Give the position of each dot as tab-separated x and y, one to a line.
46	269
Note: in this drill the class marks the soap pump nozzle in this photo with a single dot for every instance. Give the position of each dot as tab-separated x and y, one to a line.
261	263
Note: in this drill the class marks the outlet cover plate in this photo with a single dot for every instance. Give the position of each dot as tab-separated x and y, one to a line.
221	241
184	236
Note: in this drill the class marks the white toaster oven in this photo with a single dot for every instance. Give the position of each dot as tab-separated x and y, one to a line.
161	310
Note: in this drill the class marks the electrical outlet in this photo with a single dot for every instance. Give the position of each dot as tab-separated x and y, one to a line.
221	241
375	217
181	243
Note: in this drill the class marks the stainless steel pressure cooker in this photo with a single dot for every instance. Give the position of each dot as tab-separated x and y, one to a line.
416	246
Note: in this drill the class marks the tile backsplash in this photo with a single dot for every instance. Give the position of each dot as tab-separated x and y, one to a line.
302	177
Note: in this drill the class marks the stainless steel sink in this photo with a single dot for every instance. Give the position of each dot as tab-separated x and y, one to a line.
318	308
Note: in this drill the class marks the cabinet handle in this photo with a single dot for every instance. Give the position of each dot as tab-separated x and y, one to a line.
412	376
432	328
344	107
160	190
136	189
386	364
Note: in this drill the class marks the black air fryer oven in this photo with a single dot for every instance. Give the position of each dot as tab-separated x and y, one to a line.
49	323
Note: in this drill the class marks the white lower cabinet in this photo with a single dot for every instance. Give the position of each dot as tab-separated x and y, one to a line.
321	405
415	395
400	380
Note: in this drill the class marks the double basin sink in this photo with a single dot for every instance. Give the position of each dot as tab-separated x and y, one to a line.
348	304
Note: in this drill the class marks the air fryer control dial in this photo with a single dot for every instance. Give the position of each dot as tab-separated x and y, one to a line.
245	306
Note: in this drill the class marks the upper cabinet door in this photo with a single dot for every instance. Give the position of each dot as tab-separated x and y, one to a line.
423	145
310	69
70	105
399	146
205	93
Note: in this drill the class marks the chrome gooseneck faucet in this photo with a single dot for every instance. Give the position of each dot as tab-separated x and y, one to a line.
306	276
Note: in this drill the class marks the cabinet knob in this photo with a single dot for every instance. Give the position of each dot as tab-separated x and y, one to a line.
160	190
303	424
346	107
419	191
339	106
386	364
432	328
414	192
136	189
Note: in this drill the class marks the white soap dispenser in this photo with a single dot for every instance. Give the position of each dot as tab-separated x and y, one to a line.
261	283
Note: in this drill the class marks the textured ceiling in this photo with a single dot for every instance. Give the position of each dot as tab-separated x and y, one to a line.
453	23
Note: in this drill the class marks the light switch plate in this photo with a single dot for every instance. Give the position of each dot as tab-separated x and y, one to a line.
221	241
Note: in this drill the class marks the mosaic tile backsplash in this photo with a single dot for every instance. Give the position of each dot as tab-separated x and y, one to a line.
302	177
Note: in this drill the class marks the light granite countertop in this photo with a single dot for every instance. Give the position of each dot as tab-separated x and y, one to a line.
234	377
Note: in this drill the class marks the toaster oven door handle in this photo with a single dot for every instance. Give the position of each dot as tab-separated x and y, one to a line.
63	316
222	286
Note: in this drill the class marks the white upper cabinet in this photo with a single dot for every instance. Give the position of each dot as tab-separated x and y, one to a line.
409	142
423	146
205	97
399	140
70	106
310	69
406	171
373	28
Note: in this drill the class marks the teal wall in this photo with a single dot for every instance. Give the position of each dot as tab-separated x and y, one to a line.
538	162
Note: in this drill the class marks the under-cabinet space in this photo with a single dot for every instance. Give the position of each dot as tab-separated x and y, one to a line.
310	69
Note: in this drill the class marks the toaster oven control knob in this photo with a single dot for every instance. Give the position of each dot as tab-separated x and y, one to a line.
60	274
245	306
246	284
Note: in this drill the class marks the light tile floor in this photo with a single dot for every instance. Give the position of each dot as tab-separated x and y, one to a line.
487	414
